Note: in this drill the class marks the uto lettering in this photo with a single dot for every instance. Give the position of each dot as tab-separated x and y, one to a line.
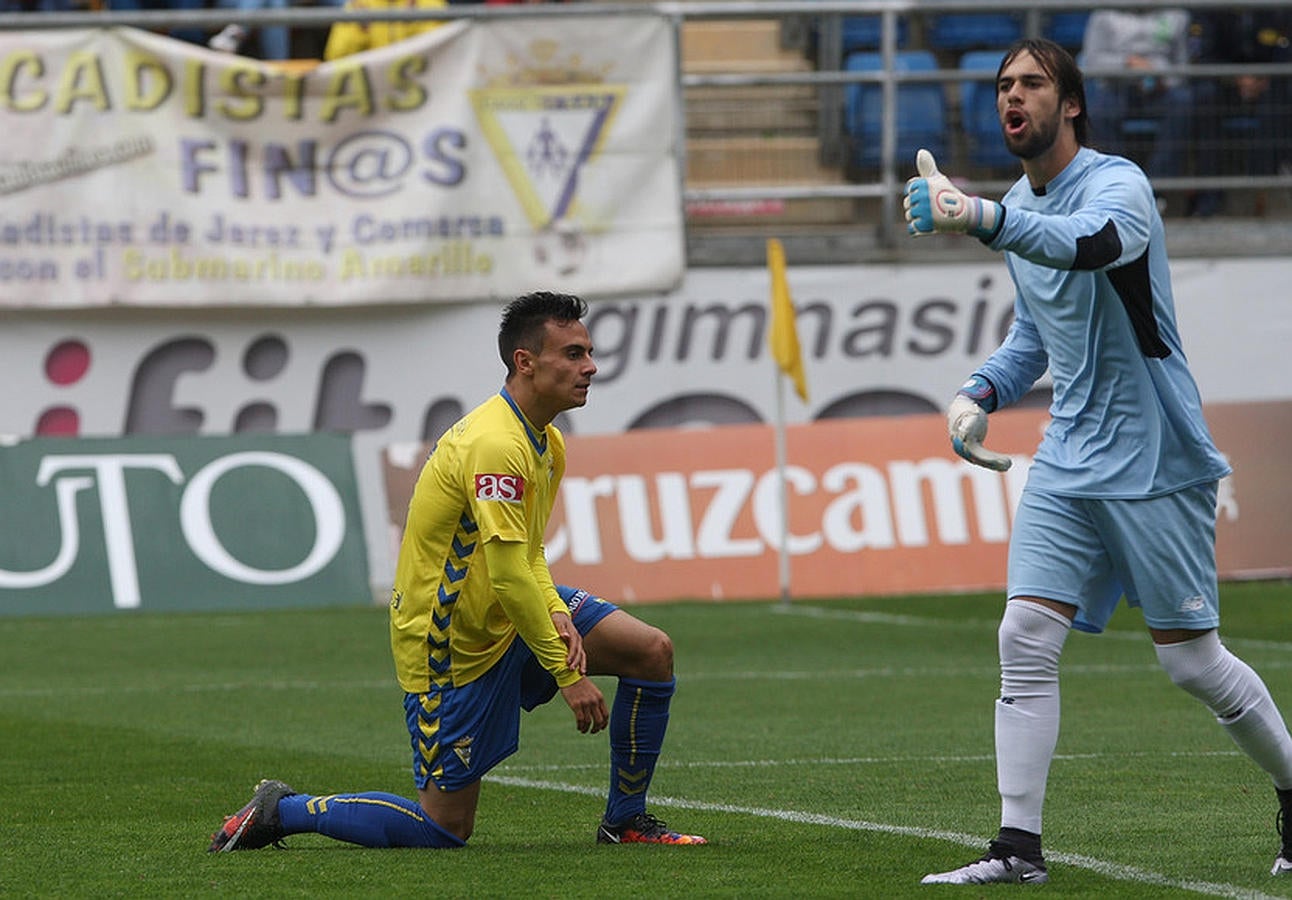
72	473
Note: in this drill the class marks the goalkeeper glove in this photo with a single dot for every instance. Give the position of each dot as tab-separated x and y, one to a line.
933	203
967	426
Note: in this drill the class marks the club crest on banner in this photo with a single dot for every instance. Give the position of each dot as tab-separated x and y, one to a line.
545	120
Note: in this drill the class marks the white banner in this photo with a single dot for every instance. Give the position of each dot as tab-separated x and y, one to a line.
475	161
877	340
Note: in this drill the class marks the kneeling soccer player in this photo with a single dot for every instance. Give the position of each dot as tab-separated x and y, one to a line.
480	632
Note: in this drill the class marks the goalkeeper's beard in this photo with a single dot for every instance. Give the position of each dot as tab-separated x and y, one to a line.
1036	140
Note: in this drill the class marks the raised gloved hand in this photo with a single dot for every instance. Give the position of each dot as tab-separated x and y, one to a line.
934	204
967	425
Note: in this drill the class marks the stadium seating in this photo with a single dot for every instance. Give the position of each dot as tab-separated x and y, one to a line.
865	32
921	108
1067	28
978	116
969	31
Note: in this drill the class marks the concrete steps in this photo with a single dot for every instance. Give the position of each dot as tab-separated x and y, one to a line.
739	45
727	161
762	110
753	135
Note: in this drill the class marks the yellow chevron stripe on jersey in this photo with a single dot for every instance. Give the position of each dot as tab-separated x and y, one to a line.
456	568
446	623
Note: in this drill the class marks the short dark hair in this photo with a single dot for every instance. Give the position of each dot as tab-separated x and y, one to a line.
524	320
1058	63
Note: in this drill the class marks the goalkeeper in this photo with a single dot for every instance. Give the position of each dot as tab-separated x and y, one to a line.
1121	496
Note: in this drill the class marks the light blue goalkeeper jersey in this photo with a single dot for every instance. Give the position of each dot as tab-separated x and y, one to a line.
1088	259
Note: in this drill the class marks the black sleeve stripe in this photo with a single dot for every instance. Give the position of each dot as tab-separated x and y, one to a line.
1135	289
1099	249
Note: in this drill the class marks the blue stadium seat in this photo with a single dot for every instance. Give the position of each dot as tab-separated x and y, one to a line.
1067	28
967	31
864	33
978	112
921	108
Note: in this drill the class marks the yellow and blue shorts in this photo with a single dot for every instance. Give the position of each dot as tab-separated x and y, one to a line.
461	732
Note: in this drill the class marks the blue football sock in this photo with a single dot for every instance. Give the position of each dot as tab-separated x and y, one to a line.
638	719
372	819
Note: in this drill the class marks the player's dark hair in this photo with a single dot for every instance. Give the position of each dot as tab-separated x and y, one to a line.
525	318
1058	63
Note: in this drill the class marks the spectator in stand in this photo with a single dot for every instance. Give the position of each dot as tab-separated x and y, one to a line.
1142	42
346	38
1250	37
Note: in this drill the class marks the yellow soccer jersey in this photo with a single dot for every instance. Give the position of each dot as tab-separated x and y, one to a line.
492	476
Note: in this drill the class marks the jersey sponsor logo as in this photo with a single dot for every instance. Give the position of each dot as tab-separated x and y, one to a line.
506	488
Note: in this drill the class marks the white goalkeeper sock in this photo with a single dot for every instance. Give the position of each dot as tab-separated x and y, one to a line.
1031	638
1236	696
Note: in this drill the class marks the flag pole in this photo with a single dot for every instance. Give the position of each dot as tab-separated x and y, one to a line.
784	543
783	339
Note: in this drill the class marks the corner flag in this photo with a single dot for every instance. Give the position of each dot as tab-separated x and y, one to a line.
783	338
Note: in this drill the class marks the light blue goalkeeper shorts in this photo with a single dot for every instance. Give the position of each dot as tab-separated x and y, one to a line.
461	732
1159	552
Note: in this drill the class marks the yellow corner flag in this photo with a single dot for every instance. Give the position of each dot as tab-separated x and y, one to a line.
783	337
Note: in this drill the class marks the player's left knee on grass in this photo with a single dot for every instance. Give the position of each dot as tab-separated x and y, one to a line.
457	822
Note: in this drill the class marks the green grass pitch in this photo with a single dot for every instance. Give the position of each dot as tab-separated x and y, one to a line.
827	749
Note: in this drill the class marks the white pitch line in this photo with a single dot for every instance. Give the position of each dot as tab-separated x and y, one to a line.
1099	866
956	672
927	672
877	618
509	767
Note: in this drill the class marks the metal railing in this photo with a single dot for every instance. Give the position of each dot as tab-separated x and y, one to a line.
880	187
